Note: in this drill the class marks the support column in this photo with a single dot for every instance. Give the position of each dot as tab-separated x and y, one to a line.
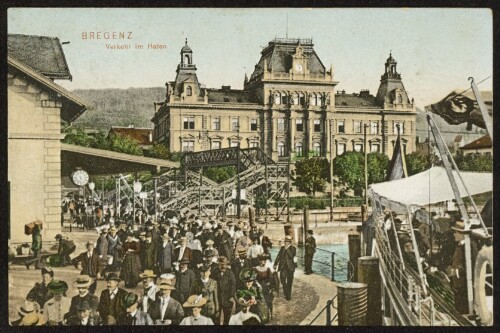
369	273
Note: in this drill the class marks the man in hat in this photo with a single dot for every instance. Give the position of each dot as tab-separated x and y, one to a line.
36	247
65	248
114	246
209	259
226	287
111	302
30	314
135	316
165	310
264	241
195	303
91	264
174	232
85	316
238	264
254	251
102	249
245	298
40	292
185	280
150	289
171	279
224	242
310	248
456	270
285	264
165	254
206	233
183	252
209	245
207	287
148	252
56	307
82	283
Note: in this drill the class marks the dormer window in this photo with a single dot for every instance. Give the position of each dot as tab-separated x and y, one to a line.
226	99
189	91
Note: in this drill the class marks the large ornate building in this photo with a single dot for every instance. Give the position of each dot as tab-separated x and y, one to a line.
288	107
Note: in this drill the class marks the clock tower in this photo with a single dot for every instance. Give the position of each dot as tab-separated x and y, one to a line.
299	62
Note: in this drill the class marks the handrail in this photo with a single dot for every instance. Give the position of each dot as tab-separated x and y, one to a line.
326	307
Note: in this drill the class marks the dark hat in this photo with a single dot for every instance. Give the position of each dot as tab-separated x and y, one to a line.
252	321
264	256
130	299
223	261
47	270
149	234
148	223
57	287
84	306
205	267
58	236
184	262
459	226
209	253
247	274
113	276
310	232
83	281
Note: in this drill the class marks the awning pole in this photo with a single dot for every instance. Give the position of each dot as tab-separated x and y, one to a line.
486	116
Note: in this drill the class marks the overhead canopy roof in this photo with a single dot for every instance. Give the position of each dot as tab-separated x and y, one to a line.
429	187
100	162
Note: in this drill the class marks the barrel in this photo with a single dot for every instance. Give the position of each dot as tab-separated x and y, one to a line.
352	303
369	273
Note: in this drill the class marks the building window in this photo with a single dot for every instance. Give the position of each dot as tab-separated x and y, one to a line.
188	145
358	147
216	124
253	144
284	99
281	124
216	145
317	125
357	126
234	143
340	148
299	125
235	124
374	127
281	148
295	99
317	149
400	98
299	149
340	126
302	99
189	122
375	148
253	124
401	127
277	98
189	91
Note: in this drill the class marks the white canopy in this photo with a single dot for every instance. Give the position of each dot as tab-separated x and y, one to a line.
430	186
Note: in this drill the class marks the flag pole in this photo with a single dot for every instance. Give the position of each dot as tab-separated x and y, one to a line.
487	119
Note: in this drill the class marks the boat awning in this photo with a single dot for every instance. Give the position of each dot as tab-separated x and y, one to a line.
429	187
101	162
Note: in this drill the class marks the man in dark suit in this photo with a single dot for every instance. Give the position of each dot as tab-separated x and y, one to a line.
85	317
264	241
82	283
165	310
148	252
91	264
111	302
238	264
65	248
285	264
183	252
185	280
310	248
226	288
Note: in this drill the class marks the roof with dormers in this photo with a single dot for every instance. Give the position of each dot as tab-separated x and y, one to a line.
230	96
43	54
361	100
279	55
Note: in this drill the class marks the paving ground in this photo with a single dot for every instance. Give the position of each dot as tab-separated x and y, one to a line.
309	292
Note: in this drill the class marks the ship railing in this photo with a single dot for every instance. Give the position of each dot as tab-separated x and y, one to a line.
330	304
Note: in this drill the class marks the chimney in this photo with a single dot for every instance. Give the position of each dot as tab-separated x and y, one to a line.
343	92
364	92
225	88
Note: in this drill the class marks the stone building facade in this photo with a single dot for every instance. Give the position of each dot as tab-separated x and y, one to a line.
288	108
36	107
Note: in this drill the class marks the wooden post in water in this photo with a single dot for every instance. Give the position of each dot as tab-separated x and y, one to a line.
352	304
304	227
354	254
369	273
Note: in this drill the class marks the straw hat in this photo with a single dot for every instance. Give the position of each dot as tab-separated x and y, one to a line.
167	276
83	281
27	308
166	285
32	319
148	273
459	226
209	242
195	301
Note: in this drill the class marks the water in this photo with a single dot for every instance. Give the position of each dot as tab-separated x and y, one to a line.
322	259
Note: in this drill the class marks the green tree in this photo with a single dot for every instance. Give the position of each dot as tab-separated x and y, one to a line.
159	150
77	136
124	144
475	162
311	174
219	174
417	162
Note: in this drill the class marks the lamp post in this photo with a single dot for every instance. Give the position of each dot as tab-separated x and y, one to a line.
366	166
91	188
137	189
331	171
155	197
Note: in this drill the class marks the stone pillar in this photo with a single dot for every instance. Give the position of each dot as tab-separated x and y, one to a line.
354	254
369	273
352	304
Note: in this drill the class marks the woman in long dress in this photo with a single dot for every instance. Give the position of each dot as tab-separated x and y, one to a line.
266	280
131	265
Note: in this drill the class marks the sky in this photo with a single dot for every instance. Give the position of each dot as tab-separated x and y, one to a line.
436	49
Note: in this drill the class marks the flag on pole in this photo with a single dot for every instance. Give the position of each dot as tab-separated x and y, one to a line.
397	167
462	107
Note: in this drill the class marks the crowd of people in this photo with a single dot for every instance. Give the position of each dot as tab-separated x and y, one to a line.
192	271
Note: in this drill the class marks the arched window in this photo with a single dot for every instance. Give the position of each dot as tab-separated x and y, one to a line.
400	98
277	98
189	91
281	148
313	99
187	59
302	99
317	149
299	149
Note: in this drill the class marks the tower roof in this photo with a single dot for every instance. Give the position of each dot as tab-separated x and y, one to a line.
186	47
391	59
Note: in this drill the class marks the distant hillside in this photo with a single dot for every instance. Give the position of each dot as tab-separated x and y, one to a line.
119	107
449	132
